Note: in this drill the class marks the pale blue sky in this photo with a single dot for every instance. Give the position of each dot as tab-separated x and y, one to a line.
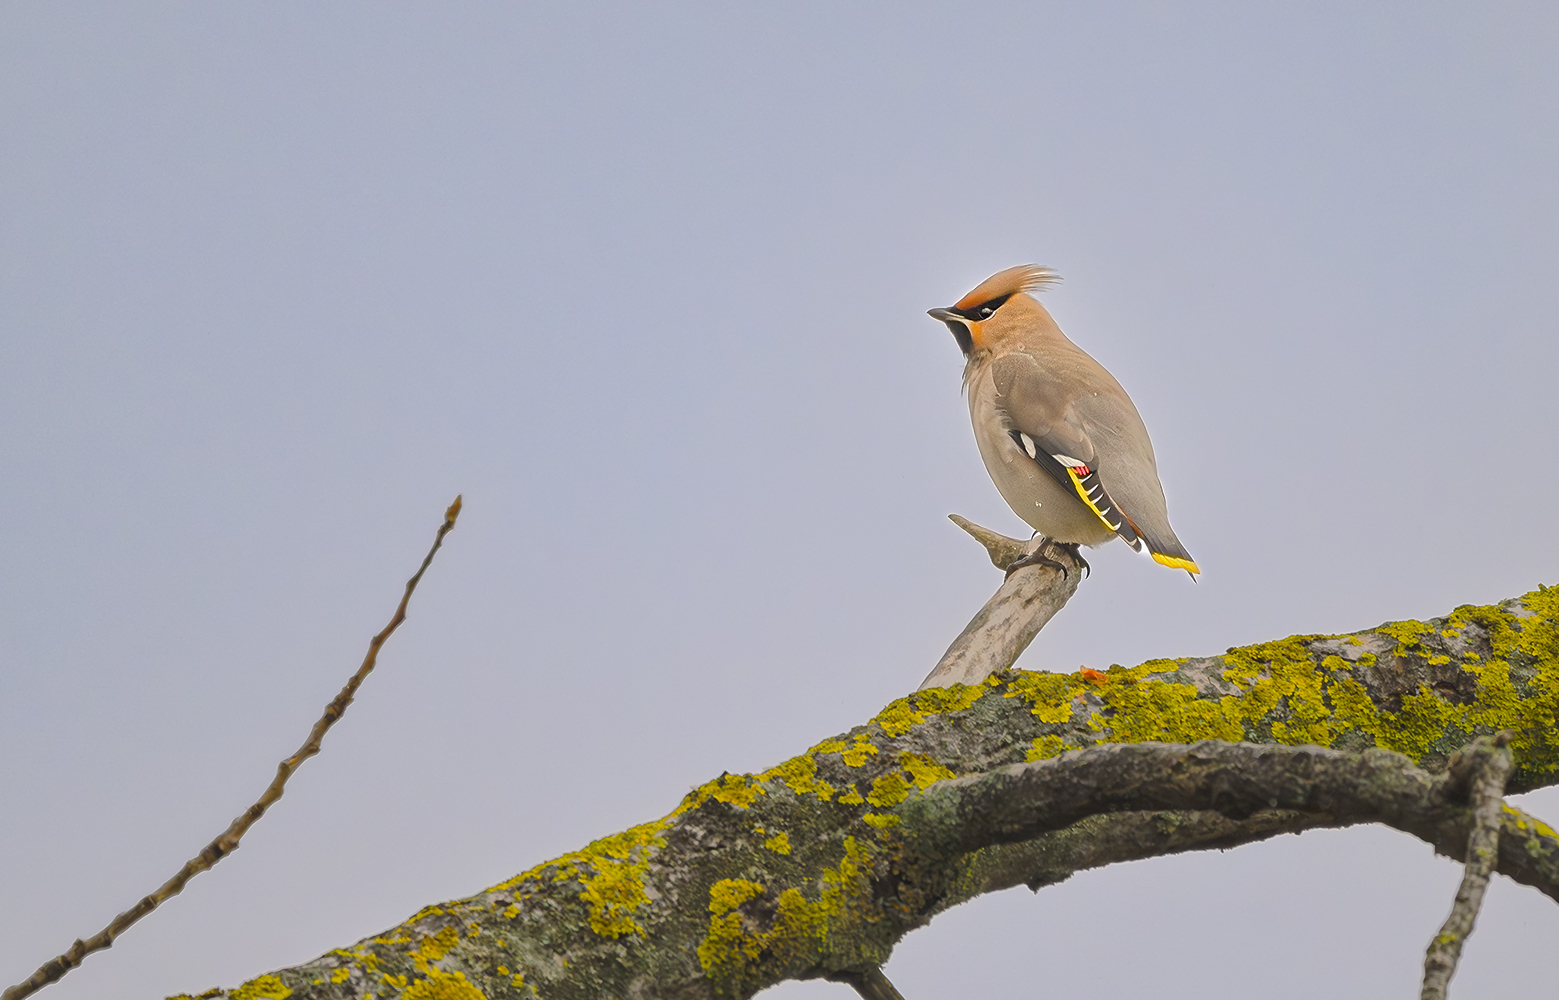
648	285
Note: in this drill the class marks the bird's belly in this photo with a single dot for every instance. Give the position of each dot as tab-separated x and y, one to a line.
1038	499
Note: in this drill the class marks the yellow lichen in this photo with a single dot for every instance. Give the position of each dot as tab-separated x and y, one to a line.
902	715
923	771
727	939
733	789
1524	822
443	986
1286	693
737	944
427	911
432	948
799	774
1045	747
1049	695
888	790
857	755
1406	633
263	988
779	843
616	890
611	874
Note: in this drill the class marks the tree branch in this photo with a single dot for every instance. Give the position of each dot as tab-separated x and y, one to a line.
816	868
225	844
1485	765
1236	780
870	983
1026	600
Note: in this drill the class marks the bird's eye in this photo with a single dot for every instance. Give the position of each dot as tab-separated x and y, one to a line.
986	310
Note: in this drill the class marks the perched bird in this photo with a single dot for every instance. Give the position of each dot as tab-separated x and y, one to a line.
1059	436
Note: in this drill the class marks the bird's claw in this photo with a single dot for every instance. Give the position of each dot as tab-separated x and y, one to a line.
1039	558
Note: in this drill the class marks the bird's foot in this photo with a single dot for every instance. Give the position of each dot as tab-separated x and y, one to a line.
1039	558
1036	558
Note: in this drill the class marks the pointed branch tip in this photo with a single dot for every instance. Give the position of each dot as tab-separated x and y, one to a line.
1003	551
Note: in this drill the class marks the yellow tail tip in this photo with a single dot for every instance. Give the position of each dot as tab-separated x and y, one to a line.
1172	562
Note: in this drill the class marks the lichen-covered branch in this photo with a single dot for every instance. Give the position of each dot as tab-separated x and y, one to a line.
1236	780
818	866
227	842
1484	767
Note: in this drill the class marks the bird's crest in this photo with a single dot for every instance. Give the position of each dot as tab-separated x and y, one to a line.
1023	278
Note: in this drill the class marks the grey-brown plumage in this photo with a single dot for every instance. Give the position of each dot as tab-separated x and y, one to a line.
1059	436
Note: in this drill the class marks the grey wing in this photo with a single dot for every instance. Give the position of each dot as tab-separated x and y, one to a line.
1131	473
1047	427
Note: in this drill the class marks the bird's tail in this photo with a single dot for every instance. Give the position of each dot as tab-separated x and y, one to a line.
1165	548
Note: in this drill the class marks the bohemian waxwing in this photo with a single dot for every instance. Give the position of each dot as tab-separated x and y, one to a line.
1058	434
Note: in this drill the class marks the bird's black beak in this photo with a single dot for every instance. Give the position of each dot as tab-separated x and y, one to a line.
958	325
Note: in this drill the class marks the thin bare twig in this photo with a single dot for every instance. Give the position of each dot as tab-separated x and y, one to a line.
1488	764
52	970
